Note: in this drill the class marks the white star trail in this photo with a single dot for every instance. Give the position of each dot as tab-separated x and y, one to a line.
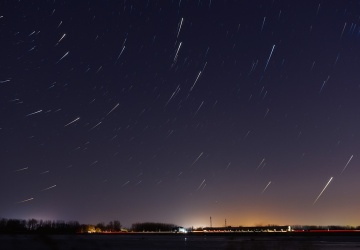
21	169
76	119
323	190
197	158
33	113
48	188
65	55
195	81
177	52
346	164
117	105
30	199
268	60
182	19
266	187
201	184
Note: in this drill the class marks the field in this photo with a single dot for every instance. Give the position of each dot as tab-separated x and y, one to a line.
177	242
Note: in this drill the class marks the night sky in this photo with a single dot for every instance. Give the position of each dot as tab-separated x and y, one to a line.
175	111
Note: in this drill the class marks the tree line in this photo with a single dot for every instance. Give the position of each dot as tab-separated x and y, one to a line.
72	227
330	227
55	227
152	227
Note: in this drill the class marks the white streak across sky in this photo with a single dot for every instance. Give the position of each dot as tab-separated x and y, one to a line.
117	105
197	158
33	113
76	119
21	169
30	199
266	187
180	24
48	188
65	55
322	191
197	78
346	164
268	60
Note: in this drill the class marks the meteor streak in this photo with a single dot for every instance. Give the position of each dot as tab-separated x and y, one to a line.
25	200
48	188
260	163
195	81
266	187
63	57
95	126
347	164
21	169
201	184
72	122
197	158
112	109
125	183
269	57
33	113
177	52
182	19
63	36
323	190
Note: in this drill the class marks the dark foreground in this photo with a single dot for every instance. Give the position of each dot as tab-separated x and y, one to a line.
179	241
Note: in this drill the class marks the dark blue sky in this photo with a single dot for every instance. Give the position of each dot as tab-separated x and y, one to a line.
175	111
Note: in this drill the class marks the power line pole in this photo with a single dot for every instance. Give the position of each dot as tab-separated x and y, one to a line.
210	222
